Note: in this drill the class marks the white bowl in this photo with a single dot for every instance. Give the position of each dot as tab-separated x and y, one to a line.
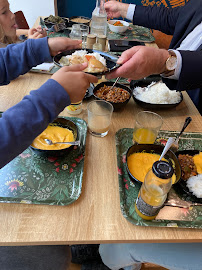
118	29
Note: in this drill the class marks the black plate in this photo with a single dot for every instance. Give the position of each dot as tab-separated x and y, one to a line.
157	149
89	91
81	17
182	183
117	106
49	24
110	60
64	123
150	106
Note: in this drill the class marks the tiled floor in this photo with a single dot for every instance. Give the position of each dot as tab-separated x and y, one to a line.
145	266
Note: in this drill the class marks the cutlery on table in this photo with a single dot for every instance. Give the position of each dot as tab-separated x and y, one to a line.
175	145
170	141
181	204
49	142
107	91
42	23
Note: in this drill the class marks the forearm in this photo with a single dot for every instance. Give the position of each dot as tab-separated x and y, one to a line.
27	55
23	122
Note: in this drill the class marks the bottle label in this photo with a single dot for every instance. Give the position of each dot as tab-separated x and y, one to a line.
147	209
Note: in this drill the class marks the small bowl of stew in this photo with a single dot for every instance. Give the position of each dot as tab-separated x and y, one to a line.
119	96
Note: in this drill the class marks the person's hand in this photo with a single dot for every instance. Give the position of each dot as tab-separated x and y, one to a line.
35	33
116	9
139	62
74	81
60	44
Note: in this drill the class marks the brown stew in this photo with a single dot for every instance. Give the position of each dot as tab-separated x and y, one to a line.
115	95
187	166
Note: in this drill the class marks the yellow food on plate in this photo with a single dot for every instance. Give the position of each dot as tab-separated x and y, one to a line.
198	162
140	163
55	134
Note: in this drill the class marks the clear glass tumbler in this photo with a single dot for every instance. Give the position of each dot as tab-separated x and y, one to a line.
85	31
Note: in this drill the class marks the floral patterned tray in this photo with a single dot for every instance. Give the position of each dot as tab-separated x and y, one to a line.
168	216
134	32
33	179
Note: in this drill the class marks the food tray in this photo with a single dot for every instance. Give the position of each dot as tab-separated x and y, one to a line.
33	179
168	216
134	32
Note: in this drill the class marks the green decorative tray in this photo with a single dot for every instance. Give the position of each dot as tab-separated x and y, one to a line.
33	179
168	216
134	32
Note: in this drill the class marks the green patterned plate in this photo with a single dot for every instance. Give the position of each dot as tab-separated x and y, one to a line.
168	216
33	179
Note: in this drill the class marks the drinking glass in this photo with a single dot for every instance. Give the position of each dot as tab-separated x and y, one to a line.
76	32
99	117
147	126
84	30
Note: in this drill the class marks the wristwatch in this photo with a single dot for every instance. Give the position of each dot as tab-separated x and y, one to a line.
170	65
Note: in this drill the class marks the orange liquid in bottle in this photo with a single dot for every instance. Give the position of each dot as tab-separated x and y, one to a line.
153	198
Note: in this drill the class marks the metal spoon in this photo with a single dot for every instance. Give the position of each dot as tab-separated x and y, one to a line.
170	141
49	142
107	91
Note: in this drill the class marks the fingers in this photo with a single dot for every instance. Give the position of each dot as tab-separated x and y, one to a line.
91	78
79	67
32	31
128	54
73	44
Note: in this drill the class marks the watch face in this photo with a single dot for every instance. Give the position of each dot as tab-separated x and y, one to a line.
171	63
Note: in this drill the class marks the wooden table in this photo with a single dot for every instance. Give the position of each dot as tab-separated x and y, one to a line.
96	216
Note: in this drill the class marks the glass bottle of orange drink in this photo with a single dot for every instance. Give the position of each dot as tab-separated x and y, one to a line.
154	190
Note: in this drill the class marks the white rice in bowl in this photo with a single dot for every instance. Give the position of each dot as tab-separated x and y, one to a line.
157	94
194	185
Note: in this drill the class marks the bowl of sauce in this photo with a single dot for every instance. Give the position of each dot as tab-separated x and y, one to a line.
60	130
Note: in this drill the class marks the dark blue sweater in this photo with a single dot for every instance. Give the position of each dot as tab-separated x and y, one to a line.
23	122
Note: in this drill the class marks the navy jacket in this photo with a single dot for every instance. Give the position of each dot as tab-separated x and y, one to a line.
179	22
23	122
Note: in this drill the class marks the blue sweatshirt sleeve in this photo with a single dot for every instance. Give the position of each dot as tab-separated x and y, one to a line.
22	123
17	59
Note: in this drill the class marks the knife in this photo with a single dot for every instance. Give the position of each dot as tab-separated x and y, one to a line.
42	23
181	203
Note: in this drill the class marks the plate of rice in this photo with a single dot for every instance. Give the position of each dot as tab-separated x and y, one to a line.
154	94
99	63
191	177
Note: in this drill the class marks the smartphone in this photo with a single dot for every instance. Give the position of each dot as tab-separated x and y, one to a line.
122	45
126	43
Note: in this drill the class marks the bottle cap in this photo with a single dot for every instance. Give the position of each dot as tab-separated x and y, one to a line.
162	169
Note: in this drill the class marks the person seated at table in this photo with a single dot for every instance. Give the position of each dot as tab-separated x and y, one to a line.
186	45
20	124
41	107
8	28
173	256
